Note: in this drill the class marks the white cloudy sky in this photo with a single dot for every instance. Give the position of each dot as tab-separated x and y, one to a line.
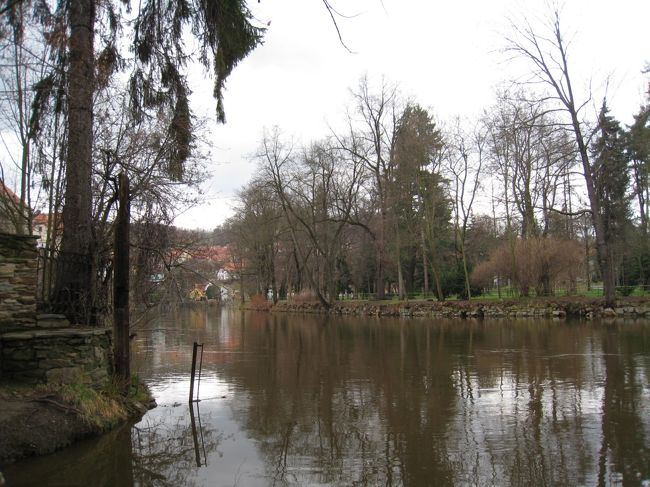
445	55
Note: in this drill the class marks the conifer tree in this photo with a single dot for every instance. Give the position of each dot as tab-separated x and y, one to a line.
639	153
611	179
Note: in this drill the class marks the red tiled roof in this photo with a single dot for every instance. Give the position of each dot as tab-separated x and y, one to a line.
41	219
7	192
216	253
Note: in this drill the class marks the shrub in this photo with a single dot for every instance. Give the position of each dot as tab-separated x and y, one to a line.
625	290
538	264
259	302
304	296
196	295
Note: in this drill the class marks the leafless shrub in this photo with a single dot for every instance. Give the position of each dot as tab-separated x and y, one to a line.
542	264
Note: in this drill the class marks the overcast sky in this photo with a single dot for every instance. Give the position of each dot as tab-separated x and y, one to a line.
445	55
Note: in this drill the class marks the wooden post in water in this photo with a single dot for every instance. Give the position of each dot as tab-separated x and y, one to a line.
121	346
198	385
193	372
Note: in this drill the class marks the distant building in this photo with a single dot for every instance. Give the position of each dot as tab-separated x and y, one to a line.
220	257
13	214
40	224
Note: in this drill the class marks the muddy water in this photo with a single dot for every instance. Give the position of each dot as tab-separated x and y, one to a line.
311	400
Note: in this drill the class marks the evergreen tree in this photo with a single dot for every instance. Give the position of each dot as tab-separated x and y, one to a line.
638	139
638	145
418	142
611	179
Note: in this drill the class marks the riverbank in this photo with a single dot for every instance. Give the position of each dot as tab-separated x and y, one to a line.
38	420
551	307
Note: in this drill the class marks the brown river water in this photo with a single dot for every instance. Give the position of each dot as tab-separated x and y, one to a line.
293	400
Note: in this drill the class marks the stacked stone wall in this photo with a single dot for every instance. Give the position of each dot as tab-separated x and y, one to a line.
18	274
64	355
540	308
42	348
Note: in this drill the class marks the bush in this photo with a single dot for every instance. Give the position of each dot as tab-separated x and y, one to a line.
625	290
196	295
538	264
259	302
304	296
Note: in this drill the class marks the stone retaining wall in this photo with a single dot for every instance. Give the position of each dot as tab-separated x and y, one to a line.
63	355
558	308
17	281
43	348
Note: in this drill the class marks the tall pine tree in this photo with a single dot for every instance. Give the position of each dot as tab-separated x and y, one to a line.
611	179
638	141
639	152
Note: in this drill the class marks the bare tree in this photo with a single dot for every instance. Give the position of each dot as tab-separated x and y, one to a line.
256	228
23	64
465	164
371	139
547	51
317	190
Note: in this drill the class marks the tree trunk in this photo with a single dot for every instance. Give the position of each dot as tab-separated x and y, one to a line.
603	249
436	280
121	346
587	262
274	284
75	283
400	273
241	286
468	289
425	265
381	242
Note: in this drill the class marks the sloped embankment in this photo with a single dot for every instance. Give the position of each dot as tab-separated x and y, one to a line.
37	420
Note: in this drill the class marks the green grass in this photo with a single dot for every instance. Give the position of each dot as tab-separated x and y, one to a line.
506	292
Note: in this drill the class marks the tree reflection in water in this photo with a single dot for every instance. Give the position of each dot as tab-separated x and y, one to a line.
404	403
311	400
154	453
165	450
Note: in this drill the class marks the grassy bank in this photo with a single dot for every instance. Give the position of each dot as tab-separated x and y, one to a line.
105	408
553	307
38	420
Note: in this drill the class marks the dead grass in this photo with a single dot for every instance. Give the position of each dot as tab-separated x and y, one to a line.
102	408
98	408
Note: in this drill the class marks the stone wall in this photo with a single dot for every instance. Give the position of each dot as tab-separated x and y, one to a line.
42	348
63	355
17	282
541	307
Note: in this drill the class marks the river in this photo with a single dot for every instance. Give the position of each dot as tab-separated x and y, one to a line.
334	401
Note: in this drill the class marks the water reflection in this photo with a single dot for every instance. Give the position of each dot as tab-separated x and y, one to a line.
166	450
152	453
108	462
309	400
197	438
401	403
